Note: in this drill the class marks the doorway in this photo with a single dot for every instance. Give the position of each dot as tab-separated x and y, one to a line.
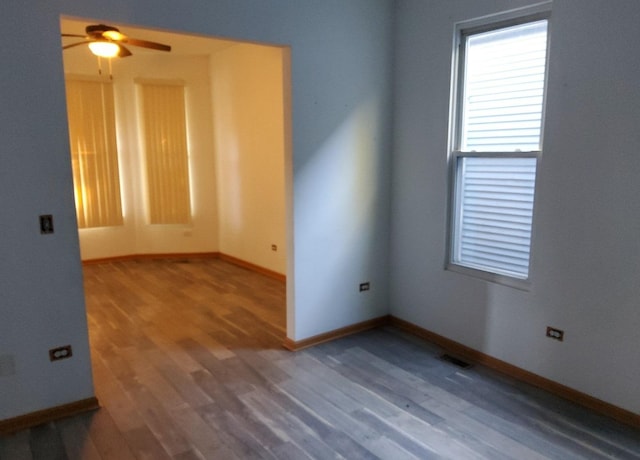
237	110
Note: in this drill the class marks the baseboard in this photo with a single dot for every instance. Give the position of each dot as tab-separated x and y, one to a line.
130	257
253	267
293	345
469	354
47	415
191	255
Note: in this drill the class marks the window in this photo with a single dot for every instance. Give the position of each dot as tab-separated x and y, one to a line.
496	144
166	154
94	156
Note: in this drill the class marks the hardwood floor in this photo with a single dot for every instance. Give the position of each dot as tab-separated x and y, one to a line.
188	364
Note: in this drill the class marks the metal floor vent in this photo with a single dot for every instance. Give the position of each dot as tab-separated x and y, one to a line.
455	361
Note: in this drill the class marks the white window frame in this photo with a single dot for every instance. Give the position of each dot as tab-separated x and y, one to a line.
533	13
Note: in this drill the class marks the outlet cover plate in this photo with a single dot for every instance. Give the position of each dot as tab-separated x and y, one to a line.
56	354
46	224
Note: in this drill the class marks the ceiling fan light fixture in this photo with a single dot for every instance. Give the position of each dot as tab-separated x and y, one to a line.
114	35
105	49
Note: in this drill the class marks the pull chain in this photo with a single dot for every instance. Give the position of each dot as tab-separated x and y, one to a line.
100	67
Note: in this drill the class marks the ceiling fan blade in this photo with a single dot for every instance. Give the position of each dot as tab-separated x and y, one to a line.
146	44
124	52
74	44
73	35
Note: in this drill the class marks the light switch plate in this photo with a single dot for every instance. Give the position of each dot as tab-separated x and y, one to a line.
46	224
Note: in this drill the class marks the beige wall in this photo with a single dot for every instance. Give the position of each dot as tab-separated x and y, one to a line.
237	199
249	137
136	236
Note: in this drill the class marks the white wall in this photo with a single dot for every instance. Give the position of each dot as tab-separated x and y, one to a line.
247	83
338	225
586	257
136	236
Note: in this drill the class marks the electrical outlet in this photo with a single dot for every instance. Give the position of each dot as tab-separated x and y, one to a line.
56	354
46	224
274	247
365	286
554	333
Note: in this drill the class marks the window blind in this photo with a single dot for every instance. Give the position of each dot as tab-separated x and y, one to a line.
495	213
92	137
166	155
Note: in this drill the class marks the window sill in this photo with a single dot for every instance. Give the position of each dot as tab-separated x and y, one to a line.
509	281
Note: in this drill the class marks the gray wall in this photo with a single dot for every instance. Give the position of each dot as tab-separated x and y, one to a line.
585	255
585	252
341	87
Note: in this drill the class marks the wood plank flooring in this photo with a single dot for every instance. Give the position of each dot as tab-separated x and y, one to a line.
188	365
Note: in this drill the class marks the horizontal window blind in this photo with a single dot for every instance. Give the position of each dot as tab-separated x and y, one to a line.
495	214
504	89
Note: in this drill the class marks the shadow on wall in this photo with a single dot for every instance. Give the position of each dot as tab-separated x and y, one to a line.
348	245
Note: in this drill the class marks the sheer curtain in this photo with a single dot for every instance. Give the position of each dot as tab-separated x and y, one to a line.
94	153
166	155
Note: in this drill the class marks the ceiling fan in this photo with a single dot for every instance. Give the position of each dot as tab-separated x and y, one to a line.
108	41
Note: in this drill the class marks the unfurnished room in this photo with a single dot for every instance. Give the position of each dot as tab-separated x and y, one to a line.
320	229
